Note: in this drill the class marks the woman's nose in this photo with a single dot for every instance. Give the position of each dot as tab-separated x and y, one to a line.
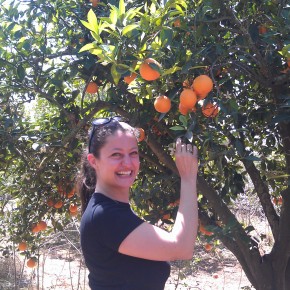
127	160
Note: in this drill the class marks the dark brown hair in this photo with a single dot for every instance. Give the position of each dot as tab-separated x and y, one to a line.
86	178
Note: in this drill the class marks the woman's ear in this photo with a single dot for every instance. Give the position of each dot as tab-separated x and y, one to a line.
92	160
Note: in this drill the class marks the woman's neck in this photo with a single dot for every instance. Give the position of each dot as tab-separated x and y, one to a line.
115	194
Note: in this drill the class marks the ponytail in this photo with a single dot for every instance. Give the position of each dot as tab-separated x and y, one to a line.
85	181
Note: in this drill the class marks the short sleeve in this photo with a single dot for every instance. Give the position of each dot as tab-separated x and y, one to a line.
115	222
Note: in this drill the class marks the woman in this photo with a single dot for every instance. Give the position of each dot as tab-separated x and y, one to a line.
121	250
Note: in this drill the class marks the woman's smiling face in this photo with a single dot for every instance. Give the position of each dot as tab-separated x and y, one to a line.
118	163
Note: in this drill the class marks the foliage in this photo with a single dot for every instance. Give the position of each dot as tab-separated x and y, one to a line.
50	52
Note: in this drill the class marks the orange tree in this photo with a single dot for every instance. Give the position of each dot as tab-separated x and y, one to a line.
241	125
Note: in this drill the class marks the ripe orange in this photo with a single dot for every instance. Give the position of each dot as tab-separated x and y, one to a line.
188	98
175	203
166	216
71	193
31	263
204	231
210	110
95	2
140	134
184	111
176	23
262	29
92	88
74	213
22	246
208	247
147	72
50	202
58	204
42	225
202	85
130	78
35	229
73	207
162	104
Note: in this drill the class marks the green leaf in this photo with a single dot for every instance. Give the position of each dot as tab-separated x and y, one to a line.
116	76
122	7
93	21
114	15
166	36
86	24
88	46
183	120
129	28
21	72
177	128
98	52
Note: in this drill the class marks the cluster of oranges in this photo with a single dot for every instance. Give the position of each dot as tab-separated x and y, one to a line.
201	86
38	227
64	193
31	262
191	94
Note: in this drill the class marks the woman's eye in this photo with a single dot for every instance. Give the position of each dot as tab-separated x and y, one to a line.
135	153
116	154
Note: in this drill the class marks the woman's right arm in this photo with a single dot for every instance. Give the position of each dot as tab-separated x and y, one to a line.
153	243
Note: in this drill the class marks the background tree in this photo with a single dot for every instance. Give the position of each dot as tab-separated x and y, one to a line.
51	52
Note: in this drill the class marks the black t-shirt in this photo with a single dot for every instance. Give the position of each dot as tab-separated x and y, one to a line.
104	225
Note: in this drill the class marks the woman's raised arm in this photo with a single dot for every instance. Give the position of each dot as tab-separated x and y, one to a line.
153	243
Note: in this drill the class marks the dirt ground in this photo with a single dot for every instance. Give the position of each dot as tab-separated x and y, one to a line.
214	270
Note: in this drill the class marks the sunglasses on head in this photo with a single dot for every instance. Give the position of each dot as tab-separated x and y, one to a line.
101	122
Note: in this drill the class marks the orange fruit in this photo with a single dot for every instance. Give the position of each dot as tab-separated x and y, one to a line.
208	247
35	229
42	225
31	263
73	207
184	111
22	246
210	110
188	98
166	216
50	202
176	23
162	104
262	29
130	78
202	85
95	2
204	231
74	213
147	72
58	204
140	134
92	88
71	193
175	203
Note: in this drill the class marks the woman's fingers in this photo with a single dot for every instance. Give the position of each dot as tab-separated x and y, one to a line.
185	148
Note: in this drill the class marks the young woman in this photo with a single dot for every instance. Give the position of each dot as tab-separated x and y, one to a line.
121	250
